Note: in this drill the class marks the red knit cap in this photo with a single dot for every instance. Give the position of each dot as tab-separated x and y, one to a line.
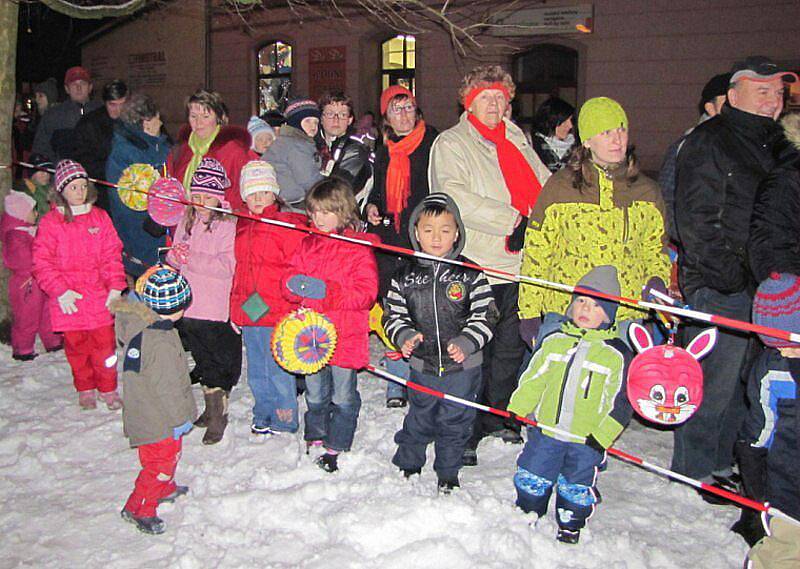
393	91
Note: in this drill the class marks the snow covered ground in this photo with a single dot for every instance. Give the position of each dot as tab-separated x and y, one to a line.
65	474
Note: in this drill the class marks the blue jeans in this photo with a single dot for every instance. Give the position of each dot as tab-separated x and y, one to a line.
274	389
400	368
333	405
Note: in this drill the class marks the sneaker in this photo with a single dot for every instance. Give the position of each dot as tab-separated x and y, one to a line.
152	525
174	495
409	472
396	403
328	462
507	435
469	457
25	357
112	400
568	536
87	400
262	430
446	486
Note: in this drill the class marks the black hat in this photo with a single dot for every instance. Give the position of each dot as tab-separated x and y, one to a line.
760	68
40	163
717	86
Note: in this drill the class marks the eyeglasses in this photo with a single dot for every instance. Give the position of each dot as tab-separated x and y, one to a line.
343	115
408	108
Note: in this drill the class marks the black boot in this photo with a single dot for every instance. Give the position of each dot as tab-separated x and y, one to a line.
447	485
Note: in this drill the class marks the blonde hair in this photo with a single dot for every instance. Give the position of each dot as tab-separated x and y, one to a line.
334	195
483	76
60	201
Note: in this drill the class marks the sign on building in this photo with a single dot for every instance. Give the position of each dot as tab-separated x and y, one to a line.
544	20
326	70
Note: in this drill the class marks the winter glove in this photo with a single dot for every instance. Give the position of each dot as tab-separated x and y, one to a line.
180	252
307	287
529	329
594	444
516	241
67	301
179	431
654	283
112	296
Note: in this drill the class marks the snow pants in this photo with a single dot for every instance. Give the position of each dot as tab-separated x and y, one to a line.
446	424
216	349
157	477
92	356
571	467
30	316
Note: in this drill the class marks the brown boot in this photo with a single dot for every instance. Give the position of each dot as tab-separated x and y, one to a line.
202	420
217	409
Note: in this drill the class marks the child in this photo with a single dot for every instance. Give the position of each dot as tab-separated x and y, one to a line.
30	313
438	314
340	280
575	382
261	134
203	252
257	305
159	406
36	182
77	260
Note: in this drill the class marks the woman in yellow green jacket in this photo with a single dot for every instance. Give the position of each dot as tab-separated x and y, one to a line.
599	210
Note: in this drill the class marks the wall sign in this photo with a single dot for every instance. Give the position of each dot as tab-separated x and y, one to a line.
326	70
545	20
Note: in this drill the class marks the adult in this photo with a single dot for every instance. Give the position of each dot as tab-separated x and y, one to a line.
552	137
93	135
294	152
54	137
720	166
206	135
486	164
343	153
45	94
137	139
712	99
400	183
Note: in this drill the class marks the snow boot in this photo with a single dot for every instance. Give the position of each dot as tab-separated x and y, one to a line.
328	462
152	525
87	400
25	357
570	536
447	485
202	420
217	409
111	399
174	495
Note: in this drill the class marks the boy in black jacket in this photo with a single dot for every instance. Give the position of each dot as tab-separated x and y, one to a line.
439	315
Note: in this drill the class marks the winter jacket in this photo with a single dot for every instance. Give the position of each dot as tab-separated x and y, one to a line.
351	161
93	135
55	137
17	238
85	256
156	389
231	148
720	167
774	245
351	281
773	396
576	382
131	145
262	255
210	266
548	154
571	231
294	156
465	165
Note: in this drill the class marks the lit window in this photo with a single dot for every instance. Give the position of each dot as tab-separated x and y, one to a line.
398	57
274	76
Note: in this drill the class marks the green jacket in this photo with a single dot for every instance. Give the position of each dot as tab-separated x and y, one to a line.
576	382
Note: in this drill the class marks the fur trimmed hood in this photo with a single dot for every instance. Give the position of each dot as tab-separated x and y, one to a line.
791	128
227	133
140	317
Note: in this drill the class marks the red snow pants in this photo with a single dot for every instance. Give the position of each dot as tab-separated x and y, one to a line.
89	352
156	480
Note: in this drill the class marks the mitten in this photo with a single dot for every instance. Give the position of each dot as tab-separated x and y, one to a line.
516	240
180	252
528	329
179	431
307	287
67	301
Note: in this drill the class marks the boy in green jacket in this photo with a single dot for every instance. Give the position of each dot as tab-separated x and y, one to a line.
575	383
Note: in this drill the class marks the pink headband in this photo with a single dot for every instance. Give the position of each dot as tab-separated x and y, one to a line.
470	96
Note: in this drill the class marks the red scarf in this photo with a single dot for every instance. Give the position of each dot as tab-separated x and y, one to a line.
398	175
519	177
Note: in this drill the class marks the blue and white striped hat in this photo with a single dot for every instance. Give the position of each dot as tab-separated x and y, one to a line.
165	291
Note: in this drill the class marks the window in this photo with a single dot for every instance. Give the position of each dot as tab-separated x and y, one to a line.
543	71
274	76
398	61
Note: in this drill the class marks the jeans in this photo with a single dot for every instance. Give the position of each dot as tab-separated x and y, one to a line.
704	444
274	389
399	368
333	405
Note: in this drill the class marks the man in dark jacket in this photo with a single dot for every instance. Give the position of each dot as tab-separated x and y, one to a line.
720	167
54	137
93	135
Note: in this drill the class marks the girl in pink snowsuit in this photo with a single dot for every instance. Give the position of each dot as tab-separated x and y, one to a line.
30	314
77	259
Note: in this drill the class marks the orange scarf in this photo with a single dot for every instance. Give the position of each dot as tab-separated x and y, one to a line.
398	175
520	179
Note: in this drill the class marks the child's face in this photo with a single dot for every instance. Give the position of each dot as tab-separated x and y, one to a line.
204	200
41	178
262	141
257	201
32	216
76	191
437	233
587	313
325	220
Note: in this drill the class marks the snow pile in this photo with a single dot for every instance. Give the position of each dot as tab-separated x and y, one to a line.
65	474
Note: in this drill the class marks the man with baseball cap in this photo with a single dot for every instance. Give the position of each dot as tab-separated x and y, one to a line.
720	167
54	136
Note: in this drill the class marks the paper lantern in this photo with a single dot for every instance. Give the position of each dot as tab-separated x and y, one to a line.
166	212
304	341
134	184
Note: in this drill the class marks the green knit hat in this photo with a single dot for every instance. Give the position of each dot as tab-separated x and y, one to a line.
599	115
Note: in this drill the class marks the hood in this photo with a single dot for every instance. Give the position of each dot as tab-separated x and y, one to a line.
227	133
448	203
139	317
791	128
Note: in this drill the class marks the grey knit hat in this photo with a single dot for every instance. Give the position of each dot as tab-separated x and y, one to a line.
602	279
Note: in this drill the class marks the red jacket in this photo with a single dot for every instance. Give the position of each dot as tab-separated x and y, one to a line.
351	280
85	256
231	147
262	255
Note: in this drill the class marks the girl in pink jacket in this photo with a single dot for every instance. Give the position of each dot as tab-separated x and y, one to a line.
29	310
203	251
77	260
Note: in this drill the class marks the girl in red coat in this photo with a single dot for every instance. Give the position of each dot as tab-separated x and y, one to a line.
77	261
339	279
262	254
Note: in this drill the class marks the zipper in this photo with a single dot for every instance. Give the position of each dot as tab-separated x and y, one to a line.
588	386
436	318
564	384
